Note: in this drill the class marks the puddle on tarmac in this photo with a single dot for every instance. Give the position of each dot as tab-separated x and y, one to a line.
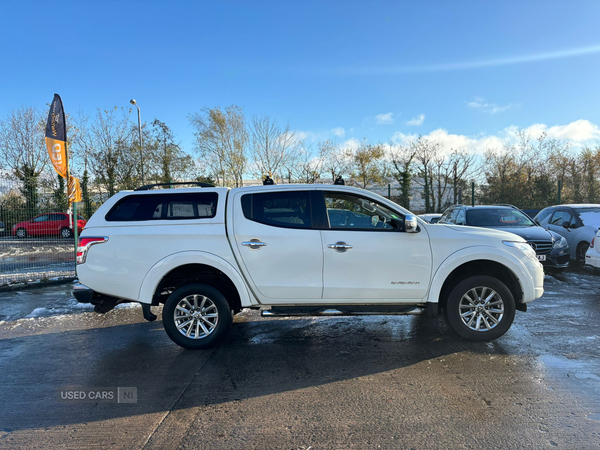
595	416
577	367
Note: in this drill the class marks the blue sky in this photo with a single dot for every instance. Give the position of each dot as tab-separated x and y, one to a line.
459	70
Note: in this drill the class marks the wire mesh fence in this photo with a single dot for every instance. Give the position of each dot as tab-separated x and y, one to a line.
36	231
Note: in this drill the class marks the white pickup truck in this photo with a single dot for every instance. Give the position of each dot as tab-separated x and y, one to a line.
208	252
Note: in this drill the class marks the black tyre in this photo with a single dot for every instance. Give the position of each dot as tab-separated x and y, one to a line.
66	233
21	233
196	316
480	308
582	249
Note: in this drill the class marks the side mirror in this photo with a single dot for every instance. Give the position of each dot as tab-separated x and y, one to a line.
566	224
410	224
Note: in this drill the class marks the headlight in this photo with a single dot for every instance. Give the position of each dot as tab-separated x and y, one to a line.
523	246
561	243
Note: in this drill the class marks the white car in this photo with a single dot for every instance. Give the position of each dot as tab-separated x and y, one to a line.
206	253
592	256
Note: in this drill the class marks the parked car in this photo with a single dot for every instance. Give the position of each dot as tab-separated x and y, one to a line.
316	250
576	223
592	256
51	224
431	218
552	250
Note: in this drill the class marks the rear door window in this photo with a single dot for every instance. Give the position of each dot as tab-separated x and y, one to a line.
288	209
164	207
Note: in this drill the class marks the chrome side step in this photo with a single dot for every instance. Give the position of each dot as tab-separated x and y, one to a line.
345	311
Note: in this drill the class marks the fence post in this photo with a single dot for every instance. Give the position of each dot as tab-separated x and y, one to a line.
472	193
389	191
559	190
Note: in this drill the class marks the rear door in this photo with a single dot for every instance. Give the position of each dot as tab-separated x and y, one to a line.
273	238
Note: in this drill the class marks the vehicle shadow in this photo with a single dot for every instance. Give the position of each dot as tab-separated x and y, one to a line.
259	357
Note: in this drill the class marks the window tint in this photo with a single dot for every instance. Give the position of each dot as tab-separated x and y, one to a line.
543	214
43	218
57	217
164	207
280	209
559	217
347	211
446	216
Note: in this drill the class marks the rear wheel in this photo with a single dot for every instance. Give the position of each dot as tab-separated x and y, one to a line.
480	308
66	233
196	316
21	233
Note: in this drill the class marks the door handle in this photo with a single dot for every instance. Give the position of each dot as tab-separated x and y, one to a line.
340	247
254	244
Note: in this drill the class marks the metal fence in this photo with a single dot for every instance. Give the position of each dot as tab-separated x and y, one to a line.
36	242
33	255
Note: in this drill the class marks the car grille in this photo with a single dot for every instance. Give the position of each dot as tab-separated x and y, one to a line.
541	247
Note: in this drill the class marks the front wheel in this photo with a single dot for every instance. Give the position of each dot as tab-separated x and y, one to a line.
582	249
21	233
480	308
196	316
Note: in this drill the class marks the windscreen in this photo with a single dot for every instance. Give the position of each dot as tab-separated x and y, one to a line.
498	217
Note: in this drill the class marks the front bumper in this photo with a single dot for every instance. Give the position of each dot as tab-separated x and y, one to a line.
557	259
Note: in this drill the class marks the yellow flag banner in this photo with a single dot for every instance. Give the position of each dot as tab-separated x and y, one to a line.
74	190
56	136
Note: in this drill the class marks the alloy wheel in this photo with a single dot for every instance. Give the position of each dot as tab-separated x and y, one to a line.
481	308
196	316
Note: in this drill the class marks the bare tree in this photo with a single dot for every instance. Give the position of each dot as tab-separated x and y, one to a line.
426	152
402	160
23	150
273	147
336	161
221	141
463	166
111	158
166	159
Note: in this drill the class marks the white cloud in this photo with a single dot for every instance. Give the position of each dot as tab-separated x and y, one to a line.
490	108
339	131
385	119
580	131
416	121
351	144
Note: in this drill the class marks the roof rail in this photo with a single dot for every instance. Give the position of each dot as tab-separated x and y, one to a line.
178	183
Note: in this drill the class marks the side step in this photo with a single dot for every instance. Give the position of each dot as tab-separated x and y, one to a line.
342	310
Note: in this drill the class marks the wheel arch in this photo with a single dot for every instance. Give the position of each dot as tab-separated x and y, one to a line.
187	267
507	268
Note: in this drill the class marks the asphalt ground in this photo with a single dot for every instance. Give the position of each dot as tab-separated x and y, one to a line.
318	383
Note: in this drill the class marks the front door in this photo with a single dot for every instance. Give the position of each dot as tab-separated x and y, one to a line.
366	257
280	253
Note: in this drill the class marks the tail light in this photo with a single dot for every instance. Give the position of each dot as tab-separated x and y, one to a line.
84	245
592	243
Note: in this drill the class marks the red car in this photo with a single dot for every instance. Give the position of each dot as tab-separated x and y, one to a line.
51	224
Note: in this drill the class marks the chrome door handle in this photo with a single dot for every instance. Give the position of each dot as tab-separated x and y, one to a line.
254	244
340	247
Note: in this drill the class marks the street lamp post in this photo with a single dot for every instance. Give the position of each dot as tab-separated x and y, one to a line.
133	102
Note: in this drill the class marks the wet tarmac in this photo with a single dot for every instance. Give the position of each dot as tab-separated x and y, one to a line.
365	382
